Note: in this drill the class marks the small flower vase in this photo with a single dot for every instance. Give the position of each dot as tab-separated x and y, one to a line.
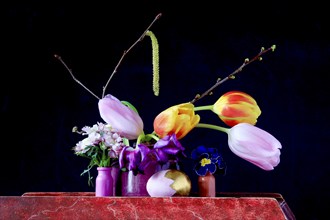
106	181
206	185
136	185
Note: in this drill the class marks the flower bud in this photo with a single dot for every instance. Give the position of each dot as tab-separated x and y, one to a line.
179	119
237	107
254	145
122	119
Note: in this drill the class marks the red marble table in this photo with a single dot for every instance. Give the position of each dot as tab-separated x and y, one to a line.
84	205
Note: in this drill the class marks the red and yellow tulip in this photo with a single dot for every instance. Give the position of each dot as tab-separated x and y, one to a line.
237	107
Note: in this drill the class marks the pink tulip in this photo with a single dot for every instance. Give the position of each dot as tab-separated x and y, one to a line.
254	145
122	119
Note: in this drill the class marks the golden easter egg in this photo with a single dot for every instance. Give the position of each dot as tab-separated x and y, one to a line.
169	182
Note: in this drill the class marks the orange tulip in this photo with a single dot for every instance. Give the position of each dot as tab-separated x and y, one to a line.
236	107
179	119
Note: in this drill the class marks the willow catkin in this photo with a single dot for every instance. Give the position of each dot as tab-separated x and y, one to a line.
155	62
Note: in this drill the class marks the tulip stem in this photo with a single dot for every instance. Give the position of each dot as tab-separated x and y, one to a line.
145	138
232	75
205	107
214	127
126	141
155	137
138	141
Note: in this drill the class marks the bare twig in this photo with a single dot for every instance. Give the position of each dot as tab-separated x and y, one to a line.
232	75
115	70
126	51
74	78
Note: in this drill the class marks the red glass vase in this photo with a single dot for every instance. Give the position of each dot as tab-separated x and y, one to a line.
206	185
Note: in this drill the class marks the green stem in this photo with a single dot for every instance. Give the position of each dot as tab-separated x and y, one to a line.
138	141
214	127
103	159
140	138
153	136
126	141
205	107
144	137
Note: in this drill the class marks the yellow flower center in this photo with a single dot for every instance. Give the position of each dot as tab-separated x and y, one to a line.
205	161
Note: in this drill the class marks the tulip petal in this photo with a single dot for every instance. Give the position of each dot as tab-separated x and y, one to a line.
164	122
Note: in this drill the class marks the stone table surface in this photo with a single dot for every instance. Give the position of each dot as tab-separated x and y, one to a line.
84	205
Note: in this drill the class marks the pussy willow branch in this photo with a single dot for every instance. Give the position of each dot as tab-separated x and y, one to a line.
115	70
232	75
126	51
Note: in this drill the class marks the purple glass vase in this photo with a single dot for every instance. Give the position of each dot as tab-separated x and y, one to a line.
136	185
106	181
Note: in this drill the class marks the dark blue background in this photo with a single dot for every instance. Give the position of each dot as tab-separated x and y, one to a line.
198	42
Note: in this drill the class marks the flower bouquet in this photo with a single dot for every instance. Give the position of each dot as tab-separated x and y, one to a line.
109	144
101	146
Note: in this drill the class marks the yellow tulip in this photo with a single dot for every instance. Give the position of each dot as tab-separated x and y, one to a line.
179	119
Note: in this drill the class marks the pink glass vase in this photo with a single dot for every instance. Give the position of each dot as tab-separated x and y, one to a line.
106	181
206	185
136	185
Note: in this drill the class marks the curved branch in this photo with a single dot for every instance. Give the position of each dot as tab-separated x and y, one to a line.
126	51
232	75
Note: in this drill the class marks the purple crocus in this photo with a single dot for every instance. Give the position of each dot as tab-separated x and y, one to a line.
147	157
124	120
136	159
168	148
130	158
139	158
254	145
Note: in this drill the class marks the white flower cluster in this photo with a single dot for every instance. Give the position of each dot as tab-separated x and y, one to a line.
100	135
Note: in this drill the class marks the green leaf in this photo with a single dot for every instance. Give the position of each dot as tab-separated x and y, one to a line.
129	105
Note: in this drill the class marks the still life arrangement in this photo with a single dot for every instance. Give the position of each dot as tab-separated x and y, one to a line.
131	162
